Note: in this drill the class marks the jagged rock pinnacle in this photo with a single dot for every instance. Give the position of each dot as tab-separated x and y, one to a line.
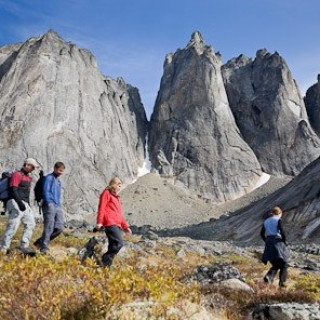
192	120
51	34
197	41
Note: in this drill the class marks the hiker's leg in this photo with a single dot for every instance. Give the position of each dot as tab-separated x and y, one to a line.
58	223
13	224
283	273
39	242
269	277
48	224
29	224
114	234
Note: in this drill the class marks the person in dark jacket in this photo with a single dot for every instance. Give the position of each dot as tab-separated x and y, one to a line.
110	217
275	251
53	219
18	207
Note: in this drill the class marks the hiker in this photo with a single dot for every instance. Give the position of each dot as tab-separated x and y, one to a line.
53	219
275	247
18	207
110	217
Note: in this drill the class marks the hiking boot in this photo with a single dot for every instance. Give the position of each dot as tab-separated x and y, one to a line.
28	252
38	243
44	251
282	285
5	251
267	279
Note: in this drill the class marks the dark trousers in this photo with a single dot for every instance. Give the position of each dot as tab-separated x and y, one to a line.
281	265
114	234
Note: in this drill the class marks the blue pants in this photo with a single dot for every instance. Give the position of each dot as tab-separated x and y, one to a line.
53	224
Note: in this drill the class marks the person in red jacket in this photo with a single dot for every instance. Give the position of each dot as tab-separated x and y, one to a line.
110	217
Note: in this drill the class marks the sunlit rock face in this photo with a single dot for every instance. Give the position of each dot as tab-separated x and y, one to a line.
55	105
193	137
270	112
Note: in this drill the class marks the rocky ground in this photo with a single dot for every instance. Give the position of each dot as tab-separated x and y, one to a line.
229	276
226	268
156	202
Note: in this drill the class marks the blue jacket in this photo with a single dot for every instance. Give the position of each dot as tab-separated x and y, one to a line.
51	189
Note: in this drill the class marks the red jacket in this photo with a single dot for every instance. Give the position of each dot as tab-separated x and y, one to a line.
20	185
109	211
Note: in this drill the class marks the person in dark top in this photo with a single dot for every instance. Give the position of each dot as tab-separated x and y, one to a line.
275	251
18	207
53	219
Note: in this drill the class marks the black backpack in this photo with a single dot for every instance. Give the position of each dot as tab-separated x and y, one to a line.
38	196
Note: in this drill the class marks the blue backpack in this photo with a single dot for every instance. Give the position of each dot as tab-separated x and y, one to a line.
4	184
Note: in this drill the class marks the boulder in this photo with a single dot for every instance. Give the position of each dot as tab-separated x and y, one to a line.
286	311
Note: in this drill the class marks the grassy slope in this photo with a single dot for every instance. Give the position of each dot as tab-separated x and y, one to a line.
59	287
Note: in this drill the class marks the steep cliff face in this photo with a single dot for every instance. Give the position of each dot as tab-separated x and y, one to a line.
270	112
55	105
300	200
312	101
193	137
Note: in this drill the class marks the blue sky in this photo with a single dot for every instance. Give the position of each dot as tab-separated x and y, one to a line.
130	38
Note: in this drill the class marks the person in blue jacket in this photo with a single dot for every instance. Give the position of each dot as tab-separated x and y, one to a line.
275	251
53	219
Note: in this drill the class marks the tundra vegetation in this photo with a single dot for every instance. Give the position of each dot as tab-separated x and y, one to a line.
58	286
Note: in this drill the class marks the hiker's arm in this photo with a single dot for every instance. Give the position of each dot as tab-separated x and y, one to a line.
125	226
283	236
46	189
14	184
262	233
104	199
128	230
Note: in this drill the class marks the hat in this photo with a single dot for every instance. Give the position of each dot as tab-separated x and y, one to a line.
32	161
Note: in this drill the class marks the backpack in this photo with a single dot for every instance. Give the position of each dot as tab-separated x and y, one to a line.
38	196
4	184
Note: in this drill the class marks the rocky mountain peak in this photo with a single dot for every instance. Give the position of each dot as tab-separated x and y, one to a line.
197	42
196	38
51	35
57	106
261	53
270	113
193	139
240	61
